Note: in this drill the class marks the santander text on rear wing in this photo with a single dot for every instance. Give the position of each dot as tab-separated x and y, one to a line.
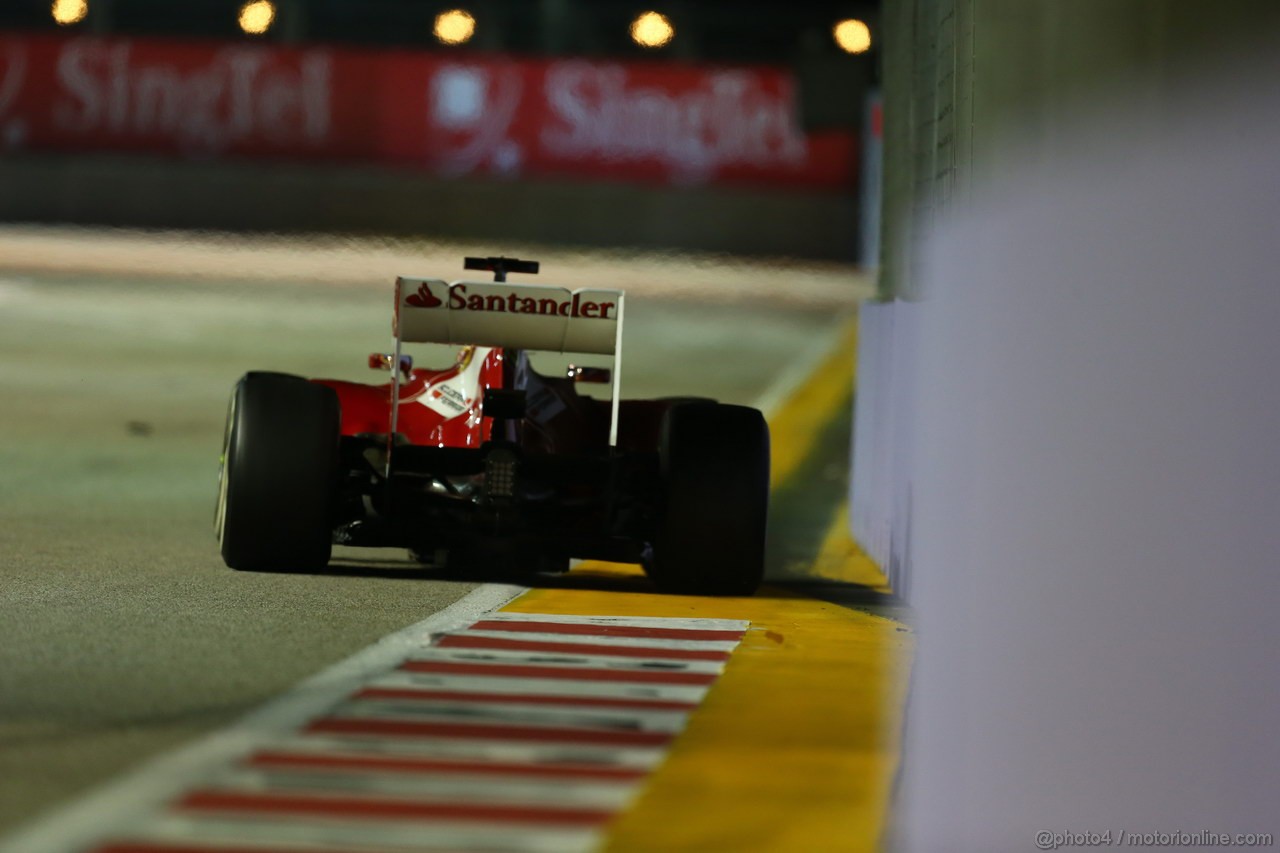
519	316
523	316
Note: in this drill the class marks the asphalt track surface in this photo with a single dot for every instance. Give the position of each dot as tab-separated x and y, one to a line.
121	632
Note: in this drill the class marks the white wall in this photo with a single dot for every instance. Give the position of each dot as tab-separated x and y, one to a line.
881	486
1095	532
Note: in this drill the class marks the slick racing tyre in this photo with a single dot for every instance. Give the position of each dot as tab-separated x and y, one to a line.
279	474
715	500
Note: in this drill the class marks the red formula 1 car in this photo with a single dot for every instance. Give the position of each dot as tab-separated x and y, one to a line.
490	464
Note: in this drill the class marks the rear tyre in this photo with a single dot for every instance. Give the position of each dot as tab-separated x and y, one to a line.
279	474
715	482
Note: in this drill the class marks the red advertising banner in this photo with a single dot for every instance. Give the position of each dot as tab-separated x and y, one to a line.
647	122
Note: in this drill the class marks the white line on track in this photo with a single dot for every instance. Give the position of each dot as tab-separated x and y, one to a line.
559	687
453	788
623	642
629	758
561	660
658	622
659	721
771	401
406	836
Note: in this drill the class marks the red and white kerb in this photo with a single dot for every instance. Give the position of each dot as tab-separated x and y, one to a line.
518	732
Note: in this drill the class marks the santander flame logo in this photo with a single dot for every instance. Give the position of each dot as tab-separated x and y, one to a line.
424	298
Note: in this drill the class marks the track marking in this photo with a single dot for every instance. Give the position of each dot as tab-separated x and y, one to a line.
411	694
783	389
427	786
569	689
402	764
635	628
795	424
562	715
542	734
529	754
280	833
841	559
559	672
492	731
797	745
465	640
330	807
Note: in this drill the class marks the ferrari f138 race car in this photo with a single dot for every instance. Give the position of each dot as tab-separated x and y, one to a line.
489	464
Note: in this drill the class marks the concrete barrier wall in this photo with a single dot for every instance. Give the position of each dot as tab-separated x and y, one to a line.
157	192
884	421
1085	201
870	503
1093	536
973	86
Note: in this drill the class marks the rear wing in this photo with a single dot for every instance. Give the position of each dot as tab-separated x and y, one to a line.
501	314
520	316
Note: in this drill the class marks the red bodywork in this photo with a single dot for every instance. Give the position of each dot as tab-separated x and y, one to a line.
558	419
367	408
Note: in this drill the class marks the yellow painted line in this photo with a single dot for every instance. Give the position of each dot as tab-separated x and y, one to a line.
796	746
841	558
796	424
